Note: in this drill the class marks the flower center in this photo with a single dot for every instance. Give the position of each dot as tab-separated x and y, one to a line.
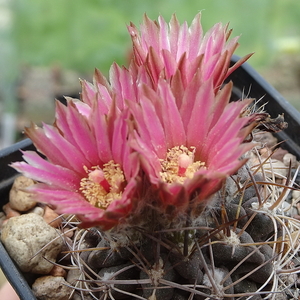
179	164
102	186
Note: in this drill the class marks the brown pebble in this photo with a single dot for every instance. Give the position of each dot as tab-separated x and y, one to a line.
68	232
19	198
51	217
10	212
279	153
289	158
58	271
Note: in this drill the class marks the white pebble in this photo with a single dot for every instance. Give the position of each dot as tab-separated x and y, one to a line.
24	236
51	287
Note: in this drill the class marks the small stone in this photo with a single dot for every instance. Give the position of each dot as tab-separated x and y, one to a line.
19	198
296	196
279	154
73	276
68	232
2	219
266	139
78	296
50	287
37	210
58	271
25	238
10	212
288	159
277	167
51	217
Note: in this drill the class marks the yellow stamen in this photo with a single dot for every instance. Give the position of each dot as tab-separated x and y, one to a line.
179	164
102	186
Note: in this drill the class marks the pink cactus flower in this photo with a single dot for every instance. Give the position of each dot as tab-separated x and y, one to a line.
90	169
188	152
165	115
168	49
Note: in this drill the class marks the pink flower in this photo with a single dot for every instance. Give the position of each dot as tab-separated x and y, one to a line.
121	87
90	169
174	50
188	152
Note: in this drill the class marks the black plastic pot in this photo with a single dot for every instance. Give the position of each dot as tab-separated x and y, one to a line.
245	79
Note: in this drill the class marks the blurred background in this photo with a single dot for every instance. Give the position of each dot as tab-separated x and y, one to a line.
46	46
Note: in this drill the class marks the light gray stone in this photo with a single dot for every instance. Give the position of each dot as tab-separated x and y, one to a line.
24	236
51	287
73	276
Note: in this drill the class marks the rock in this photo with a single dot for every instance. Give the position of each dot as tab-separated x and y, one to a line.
10	212
73	276
58	271
277	167
20	199
37	210
288	159
266	139
51	287
2	219
51	217
24	237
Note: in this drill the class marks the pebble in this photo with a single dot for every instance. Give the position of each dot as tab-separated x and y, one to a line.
37	210
277	167
51	217
73	276
290	158
24	236
10	212
51	287
266	139
19	198
2	219
58	271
